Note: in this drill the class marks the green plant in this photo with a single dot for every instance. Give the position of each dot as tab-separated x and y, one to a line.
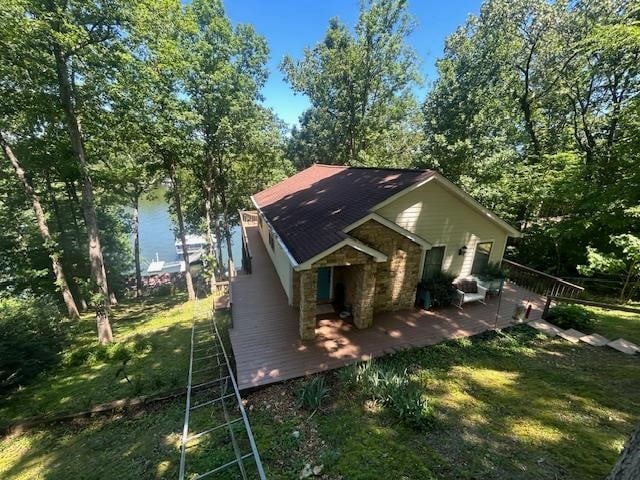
441	288
572	316
390	389
492	271
31	336
312	393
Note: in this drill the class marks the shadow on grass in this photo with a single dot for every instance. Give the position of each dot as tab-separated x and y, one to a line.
523	406
145	363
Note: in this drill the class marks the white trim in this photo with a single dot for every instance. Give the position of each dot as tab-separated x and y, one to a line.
393	226
349	241
292	260
459	193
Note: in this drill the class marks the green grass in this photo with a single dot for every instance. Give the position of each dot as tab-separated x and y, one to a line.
516	405
154	333
613	324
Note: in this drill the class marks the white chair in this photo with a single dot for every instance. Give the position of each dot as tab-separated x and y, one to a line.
465	297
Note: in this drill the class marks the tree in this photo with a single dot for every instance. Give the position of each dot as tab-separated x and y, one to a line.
625	261
49	243
535	114
160	65
627	466
80	37
239	138
361	90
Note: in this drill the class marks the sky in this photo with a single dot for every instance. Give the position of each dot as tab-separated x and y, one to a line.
291	25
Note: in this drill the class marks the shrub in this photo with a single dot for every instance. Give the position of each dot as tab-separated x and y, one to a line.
441	288
572	316
31	338
492	271
390	389
313	393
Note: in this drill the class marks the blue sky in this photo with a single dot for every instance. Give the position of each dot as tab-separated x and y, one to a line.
290	25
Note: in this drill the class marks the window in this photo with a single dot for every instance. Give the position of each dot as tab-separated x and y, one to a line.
481	257
432	262
271	240
260	220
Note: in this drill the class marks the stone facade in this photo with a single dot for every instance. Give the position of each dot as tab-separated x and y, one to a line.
295	289
343	256
397	278
307	320
370	287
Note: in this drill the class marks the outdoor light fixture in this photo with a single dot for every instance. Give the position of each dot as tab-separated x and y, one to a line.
462	250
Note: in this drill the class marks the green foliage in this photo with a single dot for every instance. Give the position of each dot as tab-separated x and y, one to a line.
390	389
624	260
525	117
312	393
360	86
441	288
492	271
31	337
572	316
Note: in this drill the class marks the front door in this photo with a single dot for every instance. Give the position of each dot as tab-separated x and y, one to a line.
324	284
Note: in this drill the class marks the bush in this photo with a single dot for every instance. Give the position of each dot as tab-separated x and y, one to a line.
441	288
394	391
492	271
572	316
31	338
313	393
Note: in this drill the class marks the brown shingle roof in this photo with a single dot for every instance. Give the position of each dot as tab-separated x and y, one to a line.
310	209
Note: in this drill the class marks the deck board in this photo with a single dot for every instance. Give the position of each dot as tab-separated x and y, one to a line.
267	347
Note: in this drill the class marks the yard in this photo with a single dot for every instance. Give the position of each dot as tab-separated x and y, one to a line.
512	405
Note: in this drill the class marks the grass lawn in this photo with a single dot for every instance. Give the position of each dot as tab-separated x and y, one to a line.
153	333
614	325
517	406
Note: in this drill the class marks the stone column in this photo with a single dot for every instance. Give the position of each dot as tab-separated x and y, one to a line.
365	293
307	320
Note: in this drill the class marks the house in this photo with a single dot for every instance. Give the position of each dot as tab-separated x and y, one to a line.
365	237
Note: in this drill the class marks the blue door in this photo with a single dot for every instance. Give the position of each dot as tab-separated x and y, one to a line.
324	284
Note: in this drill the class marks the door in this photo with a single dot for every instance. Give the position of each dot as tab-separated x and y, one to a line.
324	284
432	262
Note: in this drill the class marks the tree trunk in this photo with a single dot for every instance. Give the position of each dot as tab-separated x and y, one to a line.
225	224
221	267
61	281
136	244
627	466
102	322
207	215
185	254
96	260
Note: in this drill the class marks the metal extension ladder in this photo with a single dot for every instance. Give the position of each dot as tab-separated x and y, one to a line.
217	441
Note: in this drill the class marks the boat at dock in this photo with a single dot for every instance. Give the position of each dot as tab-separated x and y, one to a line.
195	243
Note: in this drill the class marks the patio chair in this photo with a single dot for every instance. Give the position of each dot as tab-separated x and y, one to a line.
468	290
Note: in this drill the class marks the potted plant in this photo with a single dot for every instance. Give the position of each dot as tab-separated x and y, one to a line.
492	278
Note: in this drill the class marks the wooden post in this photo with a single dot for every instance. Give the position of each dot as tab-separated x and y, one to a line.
546	307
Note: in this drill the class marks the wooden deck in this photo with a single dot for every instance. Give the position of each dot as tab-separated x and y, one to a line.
265	329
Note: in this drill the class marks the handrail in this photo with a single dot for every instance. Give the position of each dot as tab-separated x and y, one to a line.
538	281
247	218
533	270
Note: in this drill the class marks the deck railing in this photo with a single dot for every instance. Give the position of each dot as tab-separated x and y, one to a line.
247	219
539	282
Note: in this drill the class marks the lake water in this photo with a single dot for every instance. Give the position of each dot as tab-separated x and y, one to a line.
157	232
